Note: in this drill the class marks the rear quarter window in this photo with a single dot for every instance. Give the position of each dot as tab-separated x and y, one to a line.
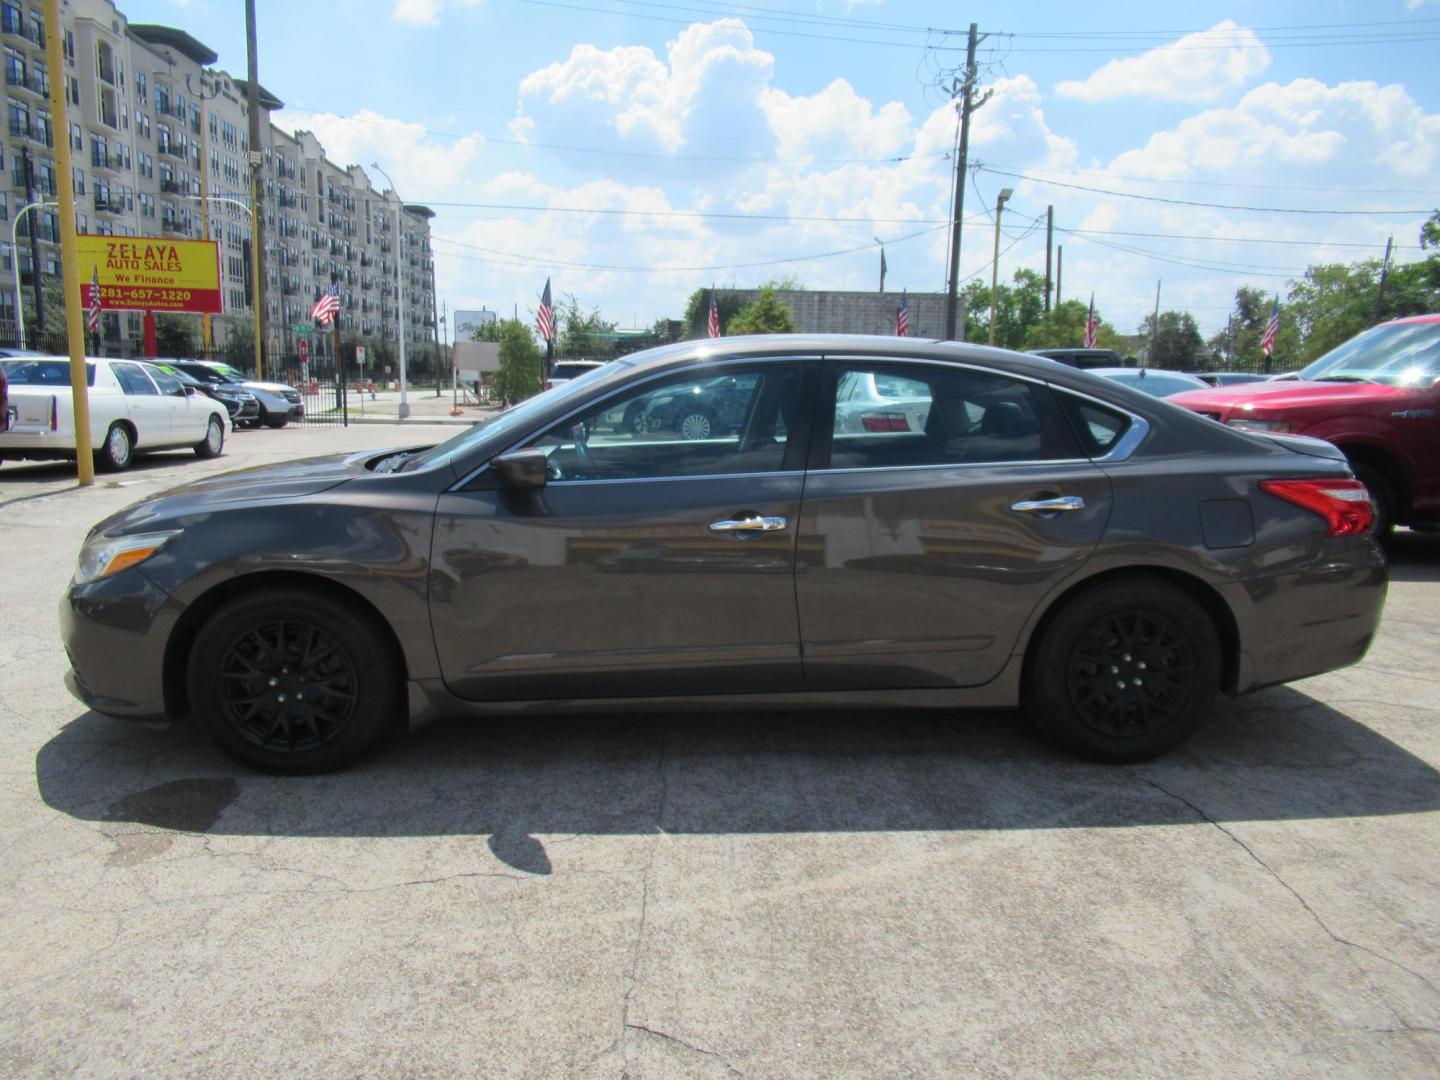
1098	427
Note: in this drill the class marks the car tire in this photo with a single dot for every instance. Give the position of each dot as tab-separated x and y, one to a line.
213	445
695	423
1382	499
118	450
272	421
256	658
1125	671
634	420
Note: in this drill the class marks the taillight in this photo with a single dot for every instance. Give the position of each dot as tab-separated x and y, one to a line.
885	421
1344	504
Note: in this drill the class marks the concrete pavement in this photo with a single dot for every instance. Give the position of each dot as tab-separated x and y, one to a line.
849	894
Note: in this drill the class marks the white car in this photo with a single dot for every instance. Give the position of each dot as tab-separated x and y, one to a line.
870	402
134	408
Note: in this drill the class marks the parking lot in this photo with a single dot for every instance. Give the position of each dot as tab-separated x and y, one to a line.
884	893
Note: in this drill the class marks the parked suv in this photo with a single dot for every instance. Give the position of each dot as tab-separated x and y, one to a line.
1377	397
279	404
239	402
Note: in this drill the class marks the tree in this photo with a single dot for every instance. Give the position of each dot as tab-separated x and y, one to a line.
486	331
697	312
1063	327
1018	308
53	337
518	376
176	335
763	315
237	341
578	330
1178	344
1239	342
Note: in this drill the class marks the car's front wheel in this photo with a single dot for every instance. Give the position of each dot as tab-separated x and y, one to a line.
293	681
274	421
214	442
1125	671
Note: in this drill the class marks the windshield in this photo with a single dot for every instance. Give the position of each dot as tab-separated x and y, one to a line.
1397	354
43	372
512	419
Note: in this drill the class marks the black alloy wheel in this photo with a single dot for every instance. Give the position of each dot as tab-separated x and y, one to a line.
1125	671
292	683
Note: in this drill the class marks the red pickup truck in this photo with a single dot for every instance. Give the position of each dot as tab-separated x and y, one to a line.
1377	397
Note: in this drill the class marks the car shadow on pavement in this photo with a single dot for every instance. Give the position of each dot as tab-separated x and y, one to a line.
1275	755
1414	556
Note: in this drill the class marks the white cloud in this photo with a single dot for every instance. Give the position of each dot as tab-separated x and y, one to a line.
418	161
1198	67
819	125
424	12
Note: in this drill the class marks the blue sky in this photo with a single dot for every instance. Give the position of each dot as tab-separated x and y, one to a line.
579	138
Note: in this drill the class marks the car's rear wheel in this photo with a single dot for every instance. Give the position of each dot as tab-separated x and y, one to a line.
117	451
292	682
694	424
1124	671
213	445
1382	500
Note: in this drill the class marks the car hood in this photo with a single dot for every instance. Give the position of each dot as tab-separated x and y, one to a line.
1269	397
288	480
268	387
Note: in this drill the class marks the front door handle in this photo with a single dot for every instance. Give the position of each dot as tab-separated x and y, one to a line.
1048	506
750	523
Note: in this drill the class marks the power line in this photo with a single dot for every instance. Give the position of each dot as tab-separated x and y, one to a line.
1191	202
528	260
1225	183
722	215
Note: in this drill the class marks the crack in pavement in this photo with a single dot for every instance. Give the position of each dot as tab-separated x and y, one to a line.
1314	915
681	1042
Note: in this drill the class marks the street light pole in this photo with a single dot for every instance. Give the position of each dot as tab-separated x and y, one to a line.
34	266
404	410
1005	194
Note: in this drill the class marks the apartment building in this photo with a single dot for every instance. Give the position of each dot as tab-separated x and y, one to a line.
160	147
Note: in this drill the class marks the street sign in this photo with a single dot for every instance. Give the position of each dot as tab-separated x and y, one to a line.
149	273
304	351
360	355
302	329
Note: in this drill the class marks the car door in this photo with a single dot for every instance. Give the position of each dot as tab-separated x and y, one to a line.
149	411
650	562
189	415
925	547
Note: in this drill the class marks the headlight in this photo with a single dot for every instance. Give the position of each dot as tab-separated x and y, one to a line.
1246	424
102	556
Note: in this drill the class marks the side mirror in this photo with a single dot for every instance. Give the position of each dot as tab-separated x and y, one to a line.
520	469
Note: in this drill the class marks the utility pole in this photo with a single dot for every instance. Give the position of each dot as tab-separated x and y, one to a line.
1049	242
1000	199
1059	270
257	190
968	105
31	197
1154	327
1384	272
882	263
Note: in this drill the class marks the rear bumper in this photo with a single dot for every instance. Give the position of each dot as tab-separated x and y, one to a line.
115	633
1317	618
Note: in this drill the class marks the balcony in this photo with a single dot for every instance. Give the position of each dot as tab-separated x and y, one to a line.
170	187
174	225
173	149
101	160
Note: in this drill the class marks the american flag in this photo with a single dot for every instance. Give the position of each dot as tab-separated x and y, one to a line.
714	316
327	305
1267	339
92	313
545	317
902	316
1092	325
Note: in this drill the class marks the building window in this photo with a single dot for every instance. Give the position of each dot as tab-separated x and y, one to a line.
140	87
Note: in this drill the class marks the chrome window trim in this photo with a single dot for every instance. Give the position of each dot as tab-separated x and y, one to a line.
696	362
790	473
1038	463
1130	441
999	373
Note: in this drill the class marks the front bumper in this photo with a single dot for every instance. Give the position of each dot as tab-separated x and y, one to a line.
115	632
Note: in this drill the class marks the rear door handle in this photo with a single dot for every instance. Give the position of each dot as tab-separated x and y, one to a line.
750	523
1048	506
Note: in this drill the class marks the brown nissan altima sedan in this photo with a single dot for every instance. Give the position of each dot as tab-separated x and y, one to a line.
868	520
